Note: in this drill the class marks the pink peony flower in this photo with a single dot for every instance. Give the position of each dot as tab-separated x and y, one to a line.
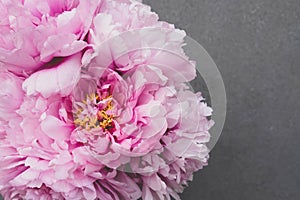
103	110
39	160
33	32
121	30
131	120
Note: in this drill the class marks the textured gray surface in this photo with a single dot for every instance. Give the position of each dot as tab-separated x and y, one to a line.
256	45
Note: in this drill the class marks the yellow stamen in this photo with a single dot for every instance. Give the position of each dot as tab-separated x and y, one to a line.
102	119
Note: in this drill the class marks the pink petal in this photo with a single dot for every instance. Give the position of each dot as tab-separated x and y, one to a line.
55	129
59	80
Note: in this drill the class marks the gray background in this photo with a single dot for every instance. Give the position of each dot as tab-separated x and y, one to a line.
256	45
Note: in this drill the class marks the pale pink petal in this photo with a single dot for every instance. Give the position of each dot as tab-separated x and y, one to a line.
59	80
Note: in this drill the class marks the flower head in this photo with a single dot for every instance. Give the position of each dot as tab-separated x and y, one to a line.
97	106
34	32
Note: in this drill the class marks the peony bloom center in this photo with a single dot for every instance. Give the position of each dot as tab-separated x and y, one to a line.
95	112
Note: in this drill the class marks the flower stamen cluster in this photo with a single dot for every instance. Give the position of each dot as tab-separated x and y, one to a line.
94	112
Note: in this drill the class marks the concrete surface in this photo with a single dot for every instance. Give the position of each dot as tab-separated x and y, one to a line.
256	45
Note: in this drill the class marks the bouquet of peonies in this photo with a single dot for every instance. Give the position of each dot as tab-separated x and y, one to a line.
95	104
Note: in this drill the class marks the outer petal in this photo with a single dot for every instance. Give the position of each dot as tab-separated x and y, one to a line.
59	80
54	47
